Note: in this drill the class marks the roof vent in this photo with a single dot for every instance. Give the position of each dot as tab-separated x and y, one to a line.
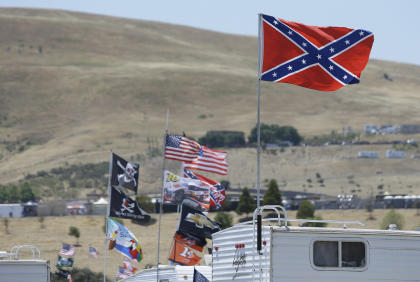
392	227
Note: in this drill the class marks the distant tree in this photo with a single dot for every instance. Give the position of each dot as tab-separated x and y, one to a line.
4	196
246	203
74	231
224	219
145	203
275	134
13	194
392	217
306	210
273	195
41	220
26	193
6	225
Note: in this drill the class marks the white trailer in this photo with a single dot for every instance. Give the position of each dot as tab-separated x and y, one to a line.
14	269
291	253
11	210
168	273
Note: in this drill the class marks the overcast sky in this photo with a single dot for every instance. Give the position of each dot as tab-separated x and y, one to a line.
395	23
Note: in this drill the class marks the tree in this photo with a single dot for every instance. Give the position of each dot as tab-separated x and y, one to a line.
13	194
306	210
392	217
224	219
275	134
145	203
273	195
246	203
26	193
74	231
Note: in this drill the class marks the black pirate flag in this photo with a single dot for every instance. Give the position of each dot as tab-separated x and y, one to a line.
124	174
123	206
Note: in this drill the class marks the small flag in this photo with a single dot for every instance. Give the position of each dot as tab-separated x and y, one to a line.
128	266
194	155
176	189
123	206
123	241
320	58
67	250
217	191
123	273
182	254
124	173
93	253
198	277
64	262
193	222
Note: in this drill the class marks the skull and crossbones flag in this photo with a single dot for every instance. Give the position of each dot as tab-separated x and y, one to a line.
124	173
123	206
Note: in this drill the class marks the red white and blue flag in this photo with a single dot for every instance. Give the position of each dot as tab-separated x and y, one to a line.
93	253
217	191
194	155
320	58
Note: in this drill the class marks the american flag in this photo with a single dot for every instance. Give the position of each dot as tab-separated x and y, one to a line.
67	250
123	273
93	253
195	156
128	266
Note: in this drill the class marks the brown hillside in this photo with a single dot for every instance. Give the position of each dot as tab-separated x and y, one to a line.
78	85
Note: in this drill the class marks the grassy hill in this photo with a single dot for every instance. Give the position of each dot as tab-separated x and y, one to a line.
74	86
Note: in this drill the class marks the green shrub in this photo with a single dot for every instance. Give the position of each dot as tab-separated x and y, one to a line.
224	219
392	217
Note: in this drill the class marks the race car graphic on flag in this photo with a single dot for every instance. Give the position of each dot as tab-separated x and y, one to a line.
217	191
176	189
320	58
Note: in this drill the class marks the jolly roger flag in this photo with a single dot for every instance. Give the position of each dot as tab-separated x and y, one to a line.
195	223
123	206
124	173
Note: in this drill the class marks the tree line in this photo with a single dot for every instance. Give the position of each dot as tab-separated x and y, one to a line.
270	134
16	194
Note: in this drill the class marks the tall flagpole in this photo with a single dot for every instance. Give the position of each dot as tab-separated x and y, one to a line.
161	192
259	110
107	210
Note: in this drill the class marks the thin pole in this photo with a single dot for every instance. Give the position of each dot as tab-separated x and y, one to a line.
161	192
260	46
107	210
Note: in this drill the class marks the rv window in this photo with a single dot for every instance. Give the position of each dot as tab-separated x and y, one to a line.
353	254
326	253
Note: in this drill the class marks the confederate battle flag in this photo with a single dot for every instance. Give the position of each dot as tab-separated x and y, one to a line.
320	58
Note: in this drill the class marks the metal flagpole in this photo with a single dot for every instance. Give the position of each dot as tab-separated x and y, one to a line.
107	210
161	192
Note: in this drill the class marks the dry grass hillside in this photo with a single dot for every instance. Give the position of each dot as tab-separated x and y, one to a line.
74	86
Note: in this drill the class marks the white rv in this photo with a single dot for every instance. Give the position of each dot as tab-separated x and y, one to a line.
15	269
291	253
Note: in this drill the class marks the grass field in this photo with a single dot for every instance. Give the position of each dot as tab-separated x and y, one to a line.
28	231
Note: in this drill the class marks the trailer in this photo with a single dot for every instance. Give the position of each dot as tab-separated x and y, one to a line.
169	273
15	269
295	253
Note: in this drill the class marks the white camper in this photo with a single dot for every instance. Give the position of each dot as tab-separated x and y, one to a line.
15	269
291	253
168	273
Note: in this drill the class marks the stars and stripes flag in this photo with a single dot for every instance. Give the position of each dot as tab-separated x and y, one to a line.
195	156
320	58
217	191
67	250
93	253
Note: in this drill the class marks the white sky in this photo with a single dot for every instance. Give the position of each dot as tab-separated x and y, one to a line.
395	23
